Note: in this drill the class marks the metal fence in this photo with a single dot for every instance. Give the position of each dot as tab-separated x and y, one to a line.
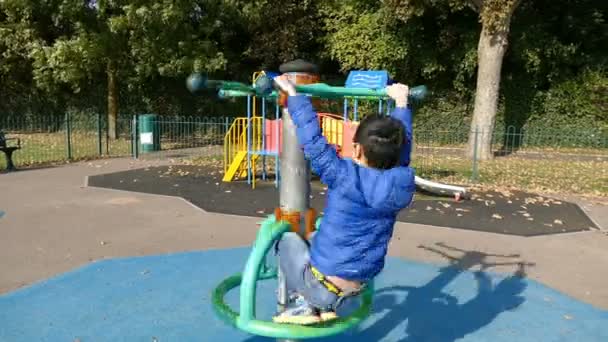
566	159
64	138
540	161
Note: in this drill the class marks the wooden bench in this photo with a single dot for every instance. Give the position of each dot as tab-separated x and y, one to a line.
8	150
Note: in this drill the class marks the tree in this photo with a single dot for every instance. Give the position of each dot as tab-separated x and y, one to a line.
375	40
127	43
279	30
495	17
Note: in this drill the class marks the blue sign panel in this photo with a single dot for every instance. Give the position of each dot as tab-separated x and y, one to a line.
367	79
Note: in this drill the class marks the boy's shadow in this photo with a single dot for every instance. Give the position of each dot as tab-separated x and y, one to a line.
432	314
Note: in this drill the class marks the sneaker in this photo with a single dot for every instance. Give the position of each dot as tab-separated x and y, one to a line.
328	315
300	313
292	298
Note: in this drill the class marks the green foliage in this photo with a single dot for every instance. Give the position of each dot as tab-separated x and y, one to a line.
279	30
361	38
54	54
574	103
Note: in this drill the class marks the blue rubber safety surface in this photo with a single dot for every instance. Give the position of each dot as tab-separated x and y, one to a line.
168	298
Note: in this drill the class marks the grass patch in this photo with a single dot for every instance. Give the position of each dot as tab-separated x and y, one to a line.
585	178
534	175
48	148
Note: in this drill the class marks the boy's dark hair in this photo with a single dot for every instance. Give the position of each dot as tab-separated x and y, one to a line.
381	138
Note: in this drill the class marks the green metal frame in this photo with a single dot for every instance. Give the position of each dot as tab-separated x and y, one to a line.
255	269
236	89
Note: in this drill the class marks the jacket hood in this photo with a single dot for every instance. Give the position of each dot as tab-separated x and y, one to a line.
388	190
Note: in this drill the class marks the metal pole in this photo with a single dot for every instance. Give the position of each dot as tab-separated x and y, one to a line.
68	136
99	149
295	170
294	189
263	138
277	172
134	138
249	123
475	170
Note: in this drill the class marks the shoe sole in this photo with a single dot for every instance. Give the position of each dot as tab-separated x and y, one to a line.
328	316
299	320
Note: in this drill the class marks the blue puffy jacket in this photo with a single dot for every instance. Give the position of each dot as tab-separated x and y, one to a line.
362	202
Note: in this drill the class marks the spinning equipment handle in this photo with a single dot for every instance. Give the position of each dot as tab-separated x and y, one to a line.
322	90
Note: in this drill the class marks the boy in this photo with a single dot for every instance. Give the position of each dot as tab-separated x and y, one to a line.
365	195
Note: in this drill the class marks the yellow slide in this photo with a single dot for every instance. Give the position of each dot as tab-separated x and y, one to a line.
235	166
239	166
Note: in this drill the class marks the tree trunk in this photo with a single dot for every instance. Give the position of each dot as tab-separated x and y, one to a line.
490	52
112	101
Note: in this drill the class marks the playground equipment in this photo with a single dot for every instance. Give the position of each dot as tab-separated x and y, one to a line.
293	214
255	136
256	269
258	137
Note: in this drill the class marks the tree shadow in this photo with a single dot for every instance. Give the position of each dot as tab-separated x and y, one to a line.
434	315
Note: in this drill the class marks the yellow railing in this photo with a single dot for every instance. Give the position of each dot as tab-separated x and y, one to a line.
235	140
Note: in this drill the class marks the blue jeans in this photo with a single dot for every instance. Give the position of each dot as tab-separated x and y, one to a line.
294	261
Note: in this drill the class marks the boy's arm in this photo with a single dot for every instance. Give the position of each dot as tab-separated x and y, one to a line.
404	115
322	156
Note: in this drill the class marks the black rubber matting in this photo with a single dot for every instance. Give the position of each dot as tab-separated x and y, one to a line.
515	213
